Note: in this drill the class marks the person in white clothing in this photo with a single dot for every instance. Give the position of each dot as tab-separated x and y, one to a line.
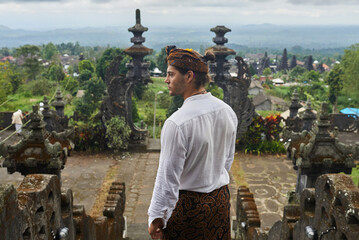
190	199
17	120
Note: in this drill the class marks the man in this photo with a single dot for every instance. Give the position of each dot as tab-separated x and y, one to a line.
191	198
17	120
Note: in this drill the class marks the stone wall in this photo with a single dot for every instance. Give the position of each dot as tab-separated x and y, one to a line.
5	120
328	211
40	208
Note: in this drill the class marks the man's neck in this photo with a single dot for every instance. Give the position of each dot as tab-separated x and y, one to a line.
192	92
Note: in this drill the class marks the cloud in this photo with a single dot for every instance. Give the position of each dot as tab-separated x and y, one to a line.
323	2
28	1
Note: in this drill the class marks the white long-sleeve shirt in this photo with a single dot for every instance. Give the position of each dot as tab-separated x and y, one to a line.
197	150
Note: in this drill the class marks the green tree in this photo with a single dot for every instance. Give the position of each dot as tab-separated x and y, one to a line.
266	73
104	62
335	82
56	73
86	65
95	88
49	51
350	67
84	76
5	84
215	90
161	60
312	76
30	53
297	71
11	74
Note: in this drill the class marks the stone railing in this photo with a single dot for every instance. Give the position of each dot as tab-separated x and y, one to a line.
329	211
41	209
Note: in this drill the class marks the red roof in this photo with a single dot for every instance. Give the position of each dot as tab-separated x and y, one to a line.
7	58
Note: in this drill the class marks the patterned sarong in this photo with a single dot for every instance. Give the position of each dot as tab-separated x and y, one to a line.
200	216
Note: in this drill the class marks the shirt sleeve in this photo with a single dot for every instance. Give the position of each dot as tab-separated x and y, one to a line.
232	149
172	158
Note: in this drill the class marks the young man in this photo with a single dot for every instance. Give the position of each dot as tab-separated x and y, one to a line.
191	198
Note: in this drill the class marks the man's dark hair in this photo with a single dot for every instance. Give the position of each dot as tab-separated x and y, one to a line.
200	78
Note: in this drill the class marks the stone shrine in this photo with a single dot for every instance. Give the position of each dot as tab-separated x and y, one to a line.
323	154
34	153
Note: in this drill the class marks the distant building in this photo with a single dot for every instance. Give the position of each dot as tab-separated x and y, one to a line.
156	72
7	58
255	88
264	102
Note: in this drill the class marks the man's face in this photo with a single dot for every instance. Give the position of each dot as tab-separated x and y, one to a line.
175	81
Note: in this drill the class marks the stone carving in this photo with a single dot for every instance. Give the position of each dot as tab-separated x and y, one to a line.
235	90
345	122
41	209
55	121
118	103
308	117
247	216
323	154
329	211
59	104
34	153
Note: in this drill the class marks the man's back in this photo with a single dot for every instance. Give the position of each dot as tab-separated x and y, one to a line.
209	129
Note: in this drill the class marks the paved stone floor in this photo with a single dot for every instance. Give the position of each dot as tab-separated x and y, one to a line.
269	178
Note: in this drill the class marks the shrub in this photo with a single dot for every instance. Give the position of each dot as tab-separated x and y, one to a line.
40	87
164	100
262	136
117	133
90	136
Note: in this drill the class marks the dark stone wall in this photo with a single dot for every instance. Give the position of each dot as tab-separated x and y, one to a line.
5	120
39	208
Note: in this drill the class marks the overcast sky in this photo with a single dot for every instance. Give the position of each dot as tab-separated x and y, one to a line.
52	14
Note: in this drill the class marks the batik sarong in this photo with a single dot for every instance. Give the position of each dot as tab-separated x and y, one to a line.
200	216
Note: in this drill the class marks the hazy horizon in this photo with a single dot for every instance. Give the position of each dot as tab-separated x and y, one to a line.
58	14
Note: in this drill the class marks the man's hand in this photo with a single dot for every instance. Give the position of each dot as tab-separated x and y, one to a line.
155	229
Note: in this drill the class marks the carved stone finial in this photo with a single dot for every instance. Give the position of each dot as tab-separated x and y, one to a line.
220	31
138	16
295	105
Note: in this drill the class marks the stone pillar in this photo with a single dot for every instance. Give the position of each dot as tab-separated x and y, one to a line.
59	104
308	117
235	89
47	115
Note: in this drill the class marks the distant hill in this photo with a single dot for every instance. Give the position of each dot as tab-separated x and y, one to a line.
260	36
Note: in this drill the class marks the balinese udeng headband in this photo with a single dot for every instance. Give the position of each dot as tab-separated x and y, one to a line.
188	59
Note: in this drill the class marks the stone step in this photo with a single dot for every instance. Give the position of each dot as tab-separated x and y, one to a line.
137	231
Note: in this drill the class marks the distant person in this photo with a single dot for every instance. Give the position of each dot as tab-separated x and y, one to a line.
41	106
191	198
17	120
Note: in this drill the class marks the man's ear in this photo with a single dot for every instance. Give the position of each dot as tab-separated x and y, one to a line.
190	76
